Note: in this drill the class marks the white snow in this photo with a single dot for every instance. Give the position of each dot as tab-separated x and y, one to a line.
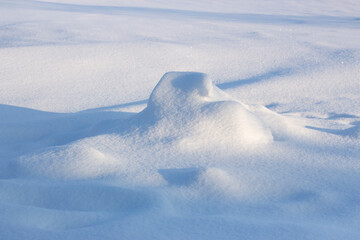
185	112
252	131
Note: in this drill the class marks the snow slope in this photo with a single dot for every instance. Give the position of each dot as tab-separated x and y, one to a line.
252	131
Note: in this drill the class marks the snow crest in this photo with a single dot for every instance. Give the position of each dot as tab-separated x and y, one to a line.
187	106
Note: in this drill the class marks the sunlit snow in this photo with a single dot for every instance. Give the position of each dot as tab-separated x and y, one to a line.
179	119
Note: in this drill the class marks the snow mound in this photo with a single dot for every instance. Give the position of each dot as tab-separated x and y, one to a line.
187	118
188	107
78	160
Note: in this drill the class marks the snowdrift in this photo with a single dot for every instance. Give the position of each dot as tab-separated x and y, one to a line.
186	106
193	153
186	113
270	152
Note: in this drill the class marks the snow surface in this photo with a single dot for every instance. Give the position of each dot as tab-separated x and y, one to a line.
252	132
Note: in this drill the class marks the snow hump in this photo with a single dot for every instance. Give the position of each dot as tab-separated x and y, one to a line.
188	107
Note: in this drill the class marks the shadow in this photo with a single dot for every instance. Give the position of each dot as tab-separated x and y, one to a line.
77	196
300	196
107	108
50	203
353	132
12	114
24	130
272	105
333	116
180	176
328	21
280	72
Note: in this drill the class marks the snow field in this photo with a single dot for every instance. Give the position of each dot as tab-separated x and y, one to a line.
252	133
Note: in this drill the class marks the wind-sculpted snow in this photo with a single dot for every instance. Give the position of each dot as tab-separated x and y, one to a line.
193	151
185	113
187	107
268	148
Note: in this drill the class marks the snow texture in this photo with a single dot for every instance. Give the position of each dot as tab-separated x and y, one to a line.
252	131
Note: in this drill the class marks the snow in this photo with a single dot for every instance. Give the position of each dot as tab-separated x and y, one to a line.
252	131
185	112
